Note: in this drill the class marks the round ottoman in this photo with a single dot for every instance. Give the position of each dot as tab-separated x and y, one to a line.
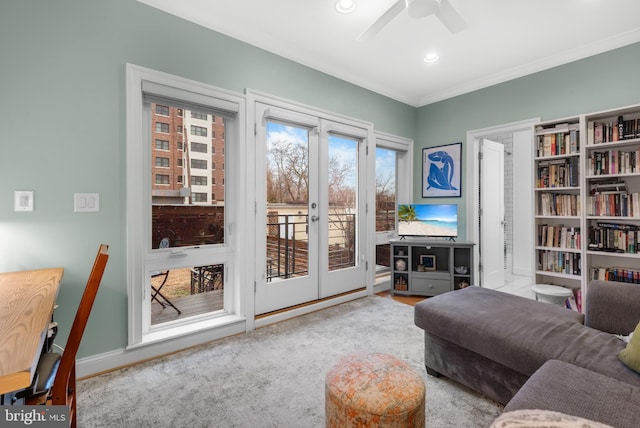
374	390
551	293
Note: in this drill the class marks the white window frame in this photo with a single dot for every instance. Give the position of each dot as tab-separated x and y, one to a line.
141	260
404	175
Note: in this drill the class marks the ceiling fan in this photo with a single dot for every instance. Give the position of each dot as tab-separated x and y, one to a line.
418	9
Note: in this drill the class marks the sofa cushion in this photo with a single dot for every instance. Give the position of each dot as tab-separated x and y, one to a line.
563	387
520	333
543	419
630	355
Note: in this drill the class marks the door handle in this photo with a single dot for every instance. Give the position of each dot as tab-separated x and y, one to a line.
315	218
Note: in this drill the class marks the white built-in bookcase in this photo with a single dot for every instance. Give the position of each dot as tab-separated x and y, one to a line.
586	199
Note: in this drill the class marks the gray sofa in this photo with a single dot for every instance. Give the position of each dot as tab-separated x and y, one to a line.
498	344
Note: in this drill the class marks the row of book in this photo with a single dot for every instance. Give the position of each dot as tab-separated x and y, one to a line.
558	204
560	262
614	162
614	204
614	237
561	143
575	302
558	173
559	236
620	274
606	132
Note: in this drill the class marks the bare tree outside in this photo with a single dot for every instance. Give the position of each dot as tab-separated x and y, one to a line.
287	174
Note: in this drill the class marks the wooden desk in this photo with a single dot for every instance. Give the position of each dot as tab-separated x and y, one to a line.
26	304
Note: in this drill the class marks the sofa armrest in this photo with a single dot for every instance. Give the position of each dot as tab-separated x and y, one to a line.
612	307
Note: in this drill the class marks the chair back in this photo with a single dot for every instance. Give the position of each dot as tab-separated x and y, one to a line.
63	391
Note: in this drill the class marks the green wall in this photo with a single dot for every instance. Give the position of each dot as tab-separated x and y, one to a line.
62	115
596	83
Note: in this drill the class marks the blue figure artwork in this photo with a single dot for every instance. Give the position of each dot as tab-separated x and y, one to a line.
441	171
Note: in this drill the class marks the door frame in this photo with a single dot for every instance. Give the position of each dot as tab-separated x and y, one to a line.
472	150
367	248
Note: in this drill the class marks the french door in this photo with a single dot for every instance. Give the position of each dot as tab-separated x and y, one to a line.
311	173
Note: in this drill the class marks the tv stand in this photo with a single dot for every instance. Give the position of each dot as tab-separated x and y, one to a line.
427	267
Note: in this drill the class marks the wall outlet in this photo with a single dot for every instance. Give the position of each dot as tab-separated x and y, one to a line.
23	200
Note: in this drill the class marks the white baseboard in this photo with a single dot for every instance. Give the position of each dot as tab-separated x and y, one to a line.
323	304
111	360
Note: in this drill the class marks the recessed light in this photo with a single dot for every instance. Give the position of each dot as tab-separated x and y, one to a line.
432	57
345	6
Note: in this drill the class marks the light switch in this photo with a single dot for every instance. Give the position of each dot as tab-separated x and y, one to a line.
23	200
86	202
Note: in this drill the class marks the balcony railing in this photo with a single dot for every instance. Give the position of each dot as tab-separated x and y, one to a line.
288	241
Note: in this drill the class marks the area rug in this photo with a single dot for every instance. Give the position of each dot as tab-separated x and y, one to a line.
273	376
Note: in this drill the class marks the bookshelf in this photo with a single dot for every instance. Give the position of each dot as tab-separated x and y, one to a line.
612	193
558	202
587	199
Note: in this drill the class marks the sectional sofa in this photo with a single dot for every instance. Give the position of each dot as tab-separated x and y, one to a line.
534	355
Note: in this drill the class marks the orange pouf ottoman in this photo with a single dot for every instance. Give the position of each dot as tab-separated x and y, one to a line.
374	390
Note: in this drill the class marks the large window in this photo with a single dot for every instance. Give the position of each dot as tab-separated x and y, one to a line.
181	250
393	186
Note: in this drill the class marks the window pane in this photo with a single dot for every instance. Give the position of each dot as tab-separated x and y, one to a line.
287	184
162	110
191	290
183	182
342	174
385	189
162	144
198	130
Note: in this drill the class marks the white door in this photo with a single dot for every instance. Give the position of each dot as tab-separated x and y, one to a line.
311	171
492	222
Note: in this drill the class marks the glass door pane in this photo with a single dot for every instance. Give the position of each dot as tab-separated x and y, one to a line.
287	182
343	196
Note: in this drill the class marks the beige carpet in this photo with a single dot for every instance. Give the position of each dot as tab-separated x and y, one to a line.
272	377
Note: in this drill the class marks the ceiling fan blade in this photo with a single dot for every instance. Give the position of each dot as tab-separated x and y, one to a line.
450	17
381	22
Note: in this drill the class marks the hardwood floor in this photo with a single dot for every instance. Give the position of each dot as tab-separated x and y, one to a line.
409	300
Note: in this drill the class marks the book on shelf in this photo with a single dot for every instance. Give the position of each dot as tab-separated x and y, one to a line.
558	204
618	129
614	237
558	173
571	302
568	263
614	204
559	236
615	273
611	185
614	162
563	142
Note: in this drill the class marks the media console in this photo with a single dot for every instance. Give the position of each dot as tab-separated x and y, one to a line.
429	267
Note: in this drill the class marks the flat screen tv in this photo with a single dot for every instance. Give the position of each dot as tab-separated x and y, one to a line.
430	220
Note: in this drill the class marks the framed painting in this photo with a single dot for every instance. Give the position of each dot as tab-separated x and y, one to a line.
428	261
441	171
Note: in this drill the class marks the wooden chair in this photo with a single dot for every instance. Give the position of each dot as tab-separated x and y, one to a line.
63	391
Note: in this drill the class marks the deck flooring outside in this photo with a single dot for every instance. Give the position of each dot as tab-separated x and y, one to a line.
194	304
